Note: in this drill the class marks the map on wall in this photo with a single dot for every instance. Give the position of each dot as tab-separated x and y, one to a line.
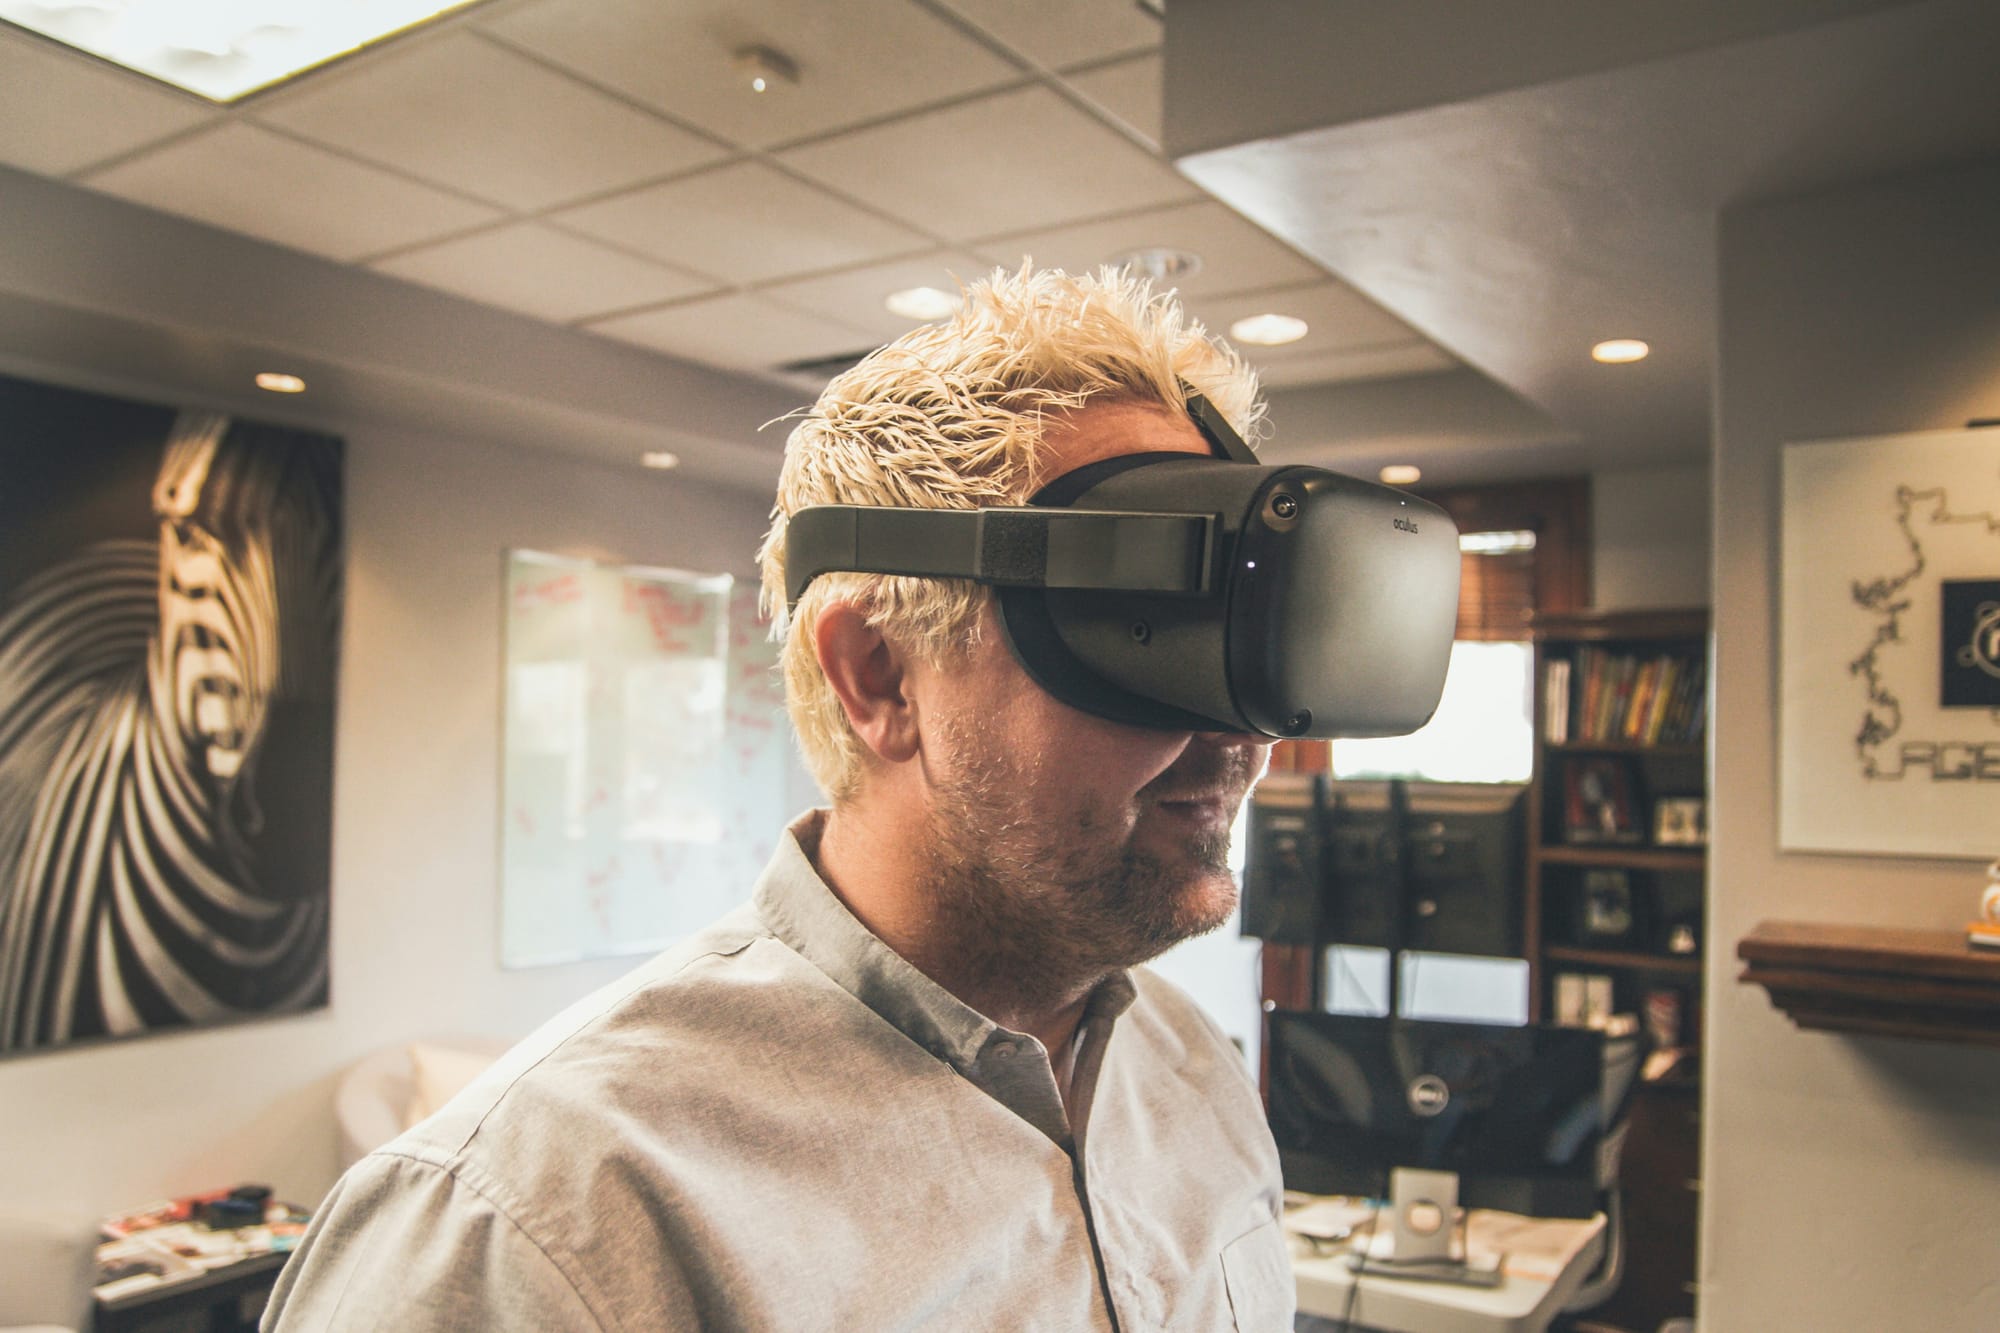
645	756
1890	737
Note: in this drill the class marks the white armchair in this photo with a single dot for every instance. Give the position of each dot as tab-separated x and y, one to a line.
391	1090
47	1266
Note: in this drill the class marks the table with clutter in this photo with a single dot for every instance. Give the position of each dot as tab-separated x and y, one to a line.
213	1255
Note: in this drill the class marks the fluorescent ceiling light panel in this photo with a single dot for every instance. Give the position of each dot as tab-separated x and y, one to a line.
222	50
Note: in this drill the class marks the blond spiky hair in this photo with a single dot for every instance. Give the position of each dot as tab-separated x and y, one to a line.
950	416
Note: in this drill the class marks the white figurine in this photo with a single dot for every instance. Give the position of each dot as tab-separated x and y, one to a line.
1989	901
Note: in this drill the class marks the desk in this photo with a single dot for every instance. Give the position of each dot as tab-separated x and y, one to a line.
1527	1298
216	1300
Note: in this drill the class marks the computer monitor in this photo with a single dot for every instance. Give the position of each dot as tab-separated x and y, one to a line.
1431	866
1523	1115
1434	866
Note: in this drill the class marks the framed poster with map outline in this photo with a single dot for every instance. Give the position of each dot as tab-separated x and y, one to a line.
1890	676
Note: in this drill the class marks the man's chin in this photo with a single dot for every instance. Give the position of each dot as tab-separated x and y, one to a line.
1210	904
1205	904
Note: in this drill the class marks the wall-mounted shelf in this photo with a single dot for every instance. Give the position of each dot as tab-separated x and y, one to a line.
1877	980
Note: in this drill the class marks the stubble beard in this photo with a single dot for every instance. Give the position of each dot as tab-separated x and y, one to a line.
1040	910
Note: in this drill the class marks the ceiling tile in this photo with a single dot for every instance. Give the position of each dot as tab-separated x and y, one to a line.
1364	363
1235	255
1061	33
253	181
741	223
854	296
543	272
475	117
1131	90
857	60
1338	318
951	172
737	332
61	112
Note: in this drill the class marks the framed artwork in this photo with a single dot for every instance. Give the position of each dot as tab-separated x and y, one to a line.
1599	805
1889	738
1608	913
1680	821
170	604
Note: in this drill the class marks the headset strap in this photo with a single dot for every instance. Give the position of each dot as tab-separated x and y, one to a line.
1019	547
1104	550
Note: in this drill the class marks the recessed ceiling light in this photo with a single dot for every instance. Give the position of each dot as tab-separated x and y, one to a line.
1401	474
659	458
765	68
924	303
1268	330
1161	263
277	381
1619	351
222	51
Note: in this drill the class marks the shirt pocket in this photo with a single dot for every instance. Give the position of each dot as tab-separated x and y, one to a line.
1257	1268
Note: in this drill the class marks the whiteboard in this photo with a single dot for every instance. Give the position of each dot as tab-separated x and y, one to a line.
644	756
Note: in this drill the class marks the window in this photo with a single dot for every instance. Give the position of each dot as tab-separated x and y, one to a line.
1525	549
1484	727
1483	730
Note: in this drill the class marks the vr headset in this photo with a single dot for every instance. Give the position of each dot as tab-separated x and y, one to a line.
1174	591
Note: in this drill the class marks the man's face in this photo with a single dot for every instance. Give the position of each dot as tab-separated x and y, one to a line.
1071	843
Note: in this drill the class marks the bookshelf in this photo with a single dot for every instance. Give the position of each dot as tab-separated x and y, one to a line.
1616	890
1617	856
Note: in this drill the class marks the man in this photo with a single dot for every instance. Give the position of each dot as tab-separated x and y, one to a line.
914	1083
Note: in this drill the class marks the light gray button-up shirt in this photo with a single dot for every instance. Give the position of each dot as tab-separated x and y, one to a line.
780	1124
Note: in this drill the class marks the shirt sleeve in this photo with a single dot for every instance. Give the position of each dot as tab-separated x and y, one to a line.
409	1244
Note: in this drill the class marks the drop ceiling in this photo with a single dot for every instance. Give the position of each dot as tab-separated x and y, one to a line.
584	219
603	166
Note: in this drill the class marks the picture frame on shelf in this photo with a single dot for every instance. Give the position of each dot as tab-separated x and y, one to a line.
1680	821
1607	910
1599	805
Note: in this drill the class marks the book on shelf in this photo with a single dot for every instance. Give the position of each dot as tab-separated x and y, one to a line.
1555	700
1584	1000
1983	934
1601	697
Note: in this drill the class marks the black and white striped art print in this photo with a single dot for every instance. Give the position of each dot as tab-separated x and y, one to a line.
170	602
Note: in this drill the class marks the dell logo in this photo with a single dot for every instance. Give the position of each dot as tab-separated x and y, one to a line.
1407	524
1428	1095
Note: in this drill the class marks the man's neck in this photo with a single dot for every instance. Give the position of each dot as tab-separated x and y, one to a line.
878	868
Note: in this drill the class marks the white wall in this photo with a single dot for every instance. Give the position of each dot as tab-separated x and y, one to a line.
1649	538
1850	1183
414	946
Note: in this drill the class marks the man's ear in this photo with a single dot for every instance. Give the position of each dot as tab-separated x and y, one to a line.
866	673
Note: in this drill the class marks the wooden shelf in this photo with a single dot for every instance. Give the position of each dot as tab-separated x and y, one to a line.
1621	626
1689	964
1670	750
1692	859
1876	980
